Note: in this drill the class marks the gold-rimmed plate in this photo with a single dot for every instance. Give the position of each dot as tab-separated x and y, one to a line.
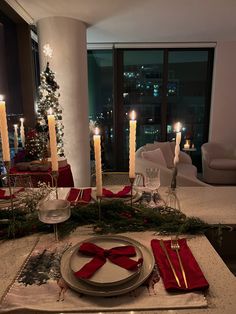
105	291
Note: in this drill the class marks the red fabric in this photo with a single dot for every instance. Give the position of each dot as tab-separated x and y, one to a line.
65	178
117	255
74	193
7	197
194	275
123	193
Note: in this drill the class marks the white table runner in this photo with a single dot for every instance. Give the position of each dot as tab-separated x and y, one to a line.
44	285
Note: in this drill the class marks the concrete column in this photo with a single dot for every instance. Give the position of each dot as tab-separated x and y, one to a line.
67	37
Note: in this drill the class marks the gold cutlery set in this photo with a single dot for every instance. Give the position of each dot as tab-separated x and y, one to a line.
175	246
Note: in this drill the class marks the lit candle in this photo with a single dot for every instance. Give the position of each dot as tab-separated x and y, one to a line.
4	131
177	142
187	144
16	137
132	145
22	132
98	161
53	140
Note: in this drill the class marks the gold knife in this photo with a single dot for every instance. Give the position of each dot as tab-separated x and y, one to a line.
168	258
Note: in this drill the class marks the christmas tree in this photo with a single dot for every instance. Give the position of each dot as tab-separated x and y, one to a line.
49	98
35	145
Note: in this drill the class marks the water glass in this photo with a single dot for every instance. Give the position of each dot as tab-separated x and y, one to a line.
152	183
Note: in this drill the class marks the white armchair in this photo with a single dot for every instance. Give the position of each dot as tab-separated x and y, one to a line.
187	172
218	163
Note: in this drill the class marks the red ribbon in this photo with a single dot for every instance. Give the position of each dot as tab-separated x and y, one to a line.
122	193
117	255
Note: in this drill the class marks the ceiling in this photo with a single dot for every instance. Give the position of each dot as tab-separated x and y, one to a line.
144	20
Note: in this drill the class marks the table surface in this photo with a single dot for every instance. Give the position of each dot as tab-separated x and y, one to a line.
214	205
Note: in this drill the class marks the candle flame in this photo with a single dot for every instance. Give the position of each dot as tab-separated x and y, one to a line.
15	126
1	97
96	131
21	119
133	115
178	127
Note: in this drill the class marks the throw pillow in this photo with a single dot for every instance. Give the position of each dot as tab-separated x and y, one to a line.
155	156
167	153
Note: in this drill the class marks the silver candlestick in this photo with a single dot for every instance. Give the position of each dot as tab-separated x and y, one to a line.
172	200
8	168
131	184
55	175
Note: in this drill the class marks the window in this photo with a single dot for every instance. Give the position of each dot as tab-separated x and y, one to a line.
100	81
163	86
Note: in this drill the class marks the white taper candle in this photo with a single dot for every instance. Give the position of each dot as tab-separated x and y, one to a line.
4	131
22	132
177	142
132	144
98	161
16	138
53	140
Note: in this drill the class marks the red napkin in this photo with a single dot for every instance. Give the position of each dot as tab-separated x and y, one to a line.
194	275
123	193
74	193
7	197
117	255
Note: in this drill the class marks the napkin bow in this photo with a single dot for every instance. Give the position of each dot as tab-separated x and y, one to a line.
123	193
117	255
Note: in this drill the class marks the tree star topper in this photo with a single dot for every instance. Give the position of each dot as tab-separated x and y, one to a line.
47	50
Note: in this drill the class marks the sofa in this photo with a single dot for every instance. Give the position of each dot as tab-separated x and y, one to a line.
218	163
161	155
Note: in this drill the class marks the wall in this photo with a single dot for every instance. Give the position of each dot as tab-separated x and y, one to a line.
223	104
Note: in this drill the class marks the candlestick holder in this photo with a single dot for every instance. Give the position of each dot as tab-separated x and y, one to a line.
174	178
131	184
99	200
8	167
55	175
172	200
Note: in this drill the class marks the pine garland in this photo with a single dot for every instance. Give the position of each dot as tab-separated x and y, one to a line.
117	217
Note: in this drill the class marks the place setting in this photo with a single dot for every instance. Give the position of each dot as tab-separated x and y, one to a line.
124	264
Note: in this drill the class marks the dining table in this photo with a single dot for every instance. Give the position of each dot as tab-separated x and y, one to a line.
214	205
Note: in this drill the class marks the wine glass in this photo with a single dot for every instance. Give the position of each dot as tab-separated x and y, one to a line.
152	183
53	212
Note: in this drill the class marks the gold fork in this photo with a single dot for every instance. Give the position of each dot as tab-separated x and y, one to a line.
175	246
170	263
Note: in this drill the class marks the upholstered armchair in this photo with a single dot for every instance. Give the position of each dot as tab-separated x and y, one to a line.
161	155
218	163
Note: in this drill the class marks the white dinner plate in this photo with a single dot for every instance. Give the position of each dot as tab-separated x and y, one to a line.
85	288
109	273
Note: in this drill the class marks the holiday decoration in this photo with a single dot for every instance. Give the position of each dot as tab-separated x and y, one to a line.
36	145
117	217
49	98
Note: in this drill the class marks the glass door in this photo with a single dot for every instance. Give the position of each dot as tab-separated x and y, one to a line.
142	92
188	96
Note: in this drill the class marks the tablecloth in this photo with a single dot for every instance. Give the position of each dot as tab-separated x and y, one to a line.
65	178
